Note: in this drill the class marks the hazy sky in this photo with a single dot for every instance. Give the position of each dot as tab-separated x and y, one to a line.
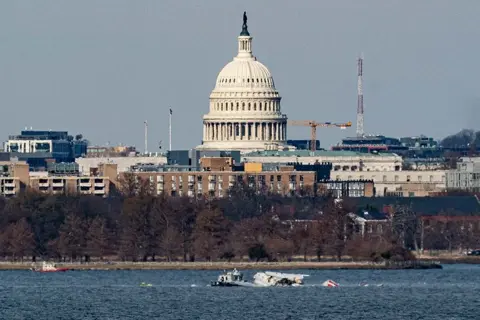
101	67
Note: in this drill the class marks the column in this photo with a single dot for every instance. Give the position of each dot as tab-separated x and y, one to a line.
268	131
278	131
204	132
248	131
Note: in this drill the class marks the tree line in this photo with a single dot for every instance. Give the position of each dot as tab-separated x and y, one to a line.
134	224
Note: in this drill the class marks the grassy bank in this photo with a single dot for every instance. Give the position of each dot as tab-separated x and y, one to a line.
204	265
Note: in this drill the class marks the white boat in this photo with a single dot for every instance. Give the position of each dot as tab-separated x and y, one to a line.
48	267
270	279
231	279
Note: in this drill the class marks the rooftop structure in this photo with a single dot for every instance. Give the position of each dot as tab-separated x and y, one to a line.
40	147
341	160
245	109
372	144
466	176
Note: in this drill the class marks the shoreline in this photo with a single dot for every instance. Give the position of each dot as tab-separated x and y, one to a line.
322	265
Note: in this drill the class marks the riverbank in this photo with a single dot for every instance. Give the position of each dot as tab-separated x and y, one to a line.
220	266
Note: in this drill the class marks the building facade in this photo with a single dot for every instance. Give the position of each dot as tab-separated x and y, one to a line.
245	112
340	160
466	176
123	163
38	148
399	183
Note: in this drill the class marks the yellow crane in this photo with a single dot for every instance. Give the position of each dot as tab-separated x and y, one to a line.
313	125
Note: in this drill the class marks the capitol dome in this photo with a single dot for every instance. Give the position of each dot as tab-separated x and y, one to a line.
245	111
245	73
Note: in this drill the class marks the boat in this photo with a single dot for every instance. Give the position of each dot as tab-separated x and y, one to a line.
49	267
260	279
278	279
231	279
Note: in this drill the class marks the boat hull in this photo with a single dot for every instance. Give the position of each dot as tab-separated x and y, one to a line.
232	284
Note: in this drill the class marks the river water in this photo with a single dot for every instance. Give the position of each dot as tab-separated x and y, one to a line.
450	293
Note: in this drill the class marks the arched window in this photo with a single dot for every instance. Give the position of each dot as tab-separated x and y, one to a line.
248	80
243	106
254	107
249	106
237	106
260	106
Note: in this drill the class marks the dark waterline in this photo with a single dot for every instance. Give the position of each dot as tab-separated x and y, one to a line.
450	293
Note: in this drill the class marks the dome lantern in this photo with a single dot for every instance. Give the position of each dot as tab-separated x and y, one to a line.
245	41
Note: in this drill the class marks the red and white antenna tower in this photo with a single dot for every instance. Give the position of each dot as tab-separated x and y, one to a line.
360	97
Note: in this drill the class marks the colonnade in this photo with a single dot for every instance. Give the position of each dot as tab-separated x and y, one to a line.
232	131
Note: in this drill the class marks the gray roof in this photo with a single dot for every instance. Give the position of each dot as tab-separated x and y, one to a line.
427	206
319	153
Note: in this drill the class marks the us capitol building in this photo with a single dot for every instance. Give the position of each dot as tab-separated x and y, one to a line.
245	111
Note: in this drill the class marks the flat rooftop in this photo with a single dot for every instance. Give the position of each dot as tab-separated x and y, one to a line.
319	153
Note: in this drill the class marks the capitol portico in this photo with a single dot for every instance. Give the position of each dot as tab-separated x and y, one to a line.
245	111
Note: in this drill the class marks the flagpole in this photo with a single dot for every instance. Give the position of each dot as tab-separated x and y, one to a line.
170	130
146	136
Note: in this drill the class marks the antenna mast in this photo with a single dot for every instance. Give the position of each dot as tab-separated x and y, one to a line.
170	130
360	132
146	136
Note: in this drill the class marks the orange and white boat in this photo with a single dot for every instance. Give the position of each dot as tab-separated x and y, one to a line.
49	267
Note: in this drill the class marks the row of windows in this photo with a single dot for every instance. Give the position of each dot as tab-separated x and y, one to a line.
248	80
265	106
239	178
395	178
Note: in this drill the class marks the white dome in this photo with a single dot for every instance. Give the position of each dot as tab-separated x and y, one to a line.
245	111
245	73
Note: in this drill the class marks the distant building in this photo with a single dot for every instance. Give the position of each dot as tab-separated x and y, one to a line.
418	142
340	160
466	176
372	144
399	183
123	163
38	148
304	144
244	112
117	151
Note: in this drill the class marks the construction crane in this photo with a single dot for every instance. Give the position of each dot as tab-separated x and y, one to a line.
313	124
